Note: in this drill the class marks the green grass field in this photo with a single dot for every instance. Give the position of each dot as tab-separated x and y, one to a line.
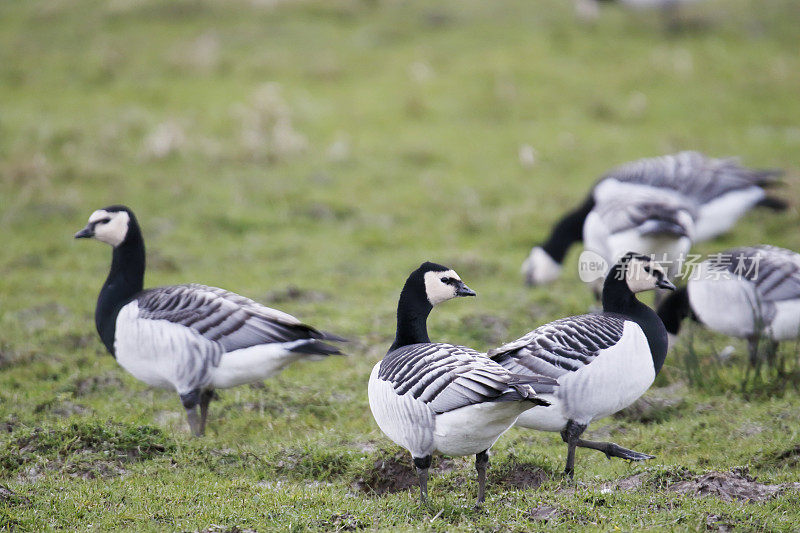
310	154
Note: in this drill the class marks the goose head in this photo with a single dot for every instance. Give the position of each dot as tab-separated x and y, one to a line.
110	225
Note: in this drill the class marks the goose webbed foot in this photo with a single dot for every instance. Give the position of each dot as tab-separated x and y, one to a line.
615	450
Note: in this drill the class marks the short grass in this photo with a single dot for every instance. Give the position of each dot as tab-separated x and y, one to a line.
310	154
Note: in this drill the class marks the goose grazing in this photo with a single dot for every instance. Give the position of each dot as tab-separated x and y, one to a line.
434	397
721	191
751	292
602	362
189	338
661	228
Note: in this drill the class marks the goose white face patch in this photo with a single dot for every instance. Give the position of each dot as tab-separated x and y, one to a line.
539	268
641	275
439	291
110	227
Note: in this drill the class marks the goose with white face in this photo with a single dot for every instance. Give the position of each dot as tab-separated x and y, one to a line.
644	274
445	285
110	227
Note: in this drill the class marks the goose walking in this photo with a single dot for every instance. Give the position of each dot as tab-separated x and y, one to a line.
602	362
433	397
721	190
189	338
751	292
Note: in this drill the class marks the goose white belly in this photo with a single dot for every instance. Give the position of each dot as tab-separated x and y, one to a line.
162	354
723	303
475	428
405	420
616	378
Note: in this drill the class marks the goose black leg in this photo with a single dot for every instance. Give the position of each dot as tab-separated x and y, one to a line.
481	462
423	464
571	434
205	399
190	401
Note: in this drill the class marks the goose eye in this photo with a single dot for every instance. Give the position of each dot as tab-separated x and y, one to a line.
103	221
647	269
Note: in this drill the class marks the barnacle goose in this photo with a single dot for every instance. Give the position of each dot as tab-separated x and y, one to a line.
751	292
603	362
435	397
721	190
661	228
189	338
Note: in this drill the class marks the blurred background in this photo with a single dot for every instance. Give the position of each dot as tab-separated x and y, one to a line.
310	154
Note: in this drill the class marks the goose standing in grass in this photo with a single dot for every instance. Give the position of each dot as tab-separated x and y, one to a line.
189	338
751	292
603	362
434	397
721	190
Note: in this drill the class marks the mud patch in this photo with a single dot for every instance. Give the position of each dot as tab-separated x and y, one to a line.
728	486
396	473
519	476
544	513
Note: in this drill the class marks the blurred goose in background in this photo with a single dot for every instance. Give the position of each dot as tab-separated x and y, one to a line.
189	338
751	292
721	190
661	228
435	397
589	10
602	362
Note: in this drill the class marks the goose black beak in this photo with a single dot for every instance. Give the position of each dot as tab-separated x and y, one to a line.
665	284
85	233
463	290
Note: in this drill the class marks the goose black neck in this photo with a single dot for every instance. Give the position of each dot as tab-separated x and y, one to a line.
412	314
619	299
674	309
567	231
125	280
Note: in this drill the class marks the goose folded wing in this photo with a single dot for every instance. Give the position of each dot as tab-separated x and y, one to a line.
774	271
562	346
224	317
693	174
447	377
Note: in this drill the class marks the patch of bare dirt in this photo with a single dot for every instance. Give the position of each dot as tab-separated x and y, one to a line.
213	528
729	486
519	476
396	473
544	513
